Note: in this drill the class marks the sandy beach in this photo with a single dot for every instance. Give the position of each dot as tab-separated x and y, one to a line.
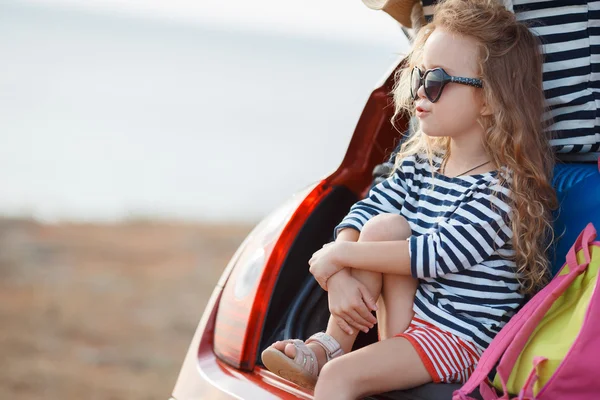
103	311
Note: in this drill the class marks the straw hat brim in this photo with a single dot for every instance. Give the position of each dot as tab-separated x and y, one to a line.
398	9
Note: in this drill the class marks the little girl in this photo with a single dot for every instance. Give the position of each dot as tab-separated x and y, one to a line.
447	247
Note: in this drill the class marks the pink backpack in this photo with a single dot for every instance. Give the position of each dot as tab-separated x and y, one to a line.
523	346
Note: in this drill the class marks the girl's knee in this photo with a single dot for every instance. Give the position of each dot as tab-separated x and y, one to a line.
329	374
336	375
384	227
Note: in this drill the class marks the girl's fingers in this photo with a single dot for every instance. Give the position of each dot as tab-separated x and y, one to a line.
367	298
365	315
352	321
344	325
358	318
363	324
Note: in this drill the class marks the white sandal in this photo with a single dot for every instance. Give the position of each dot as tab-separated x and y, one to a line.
303	370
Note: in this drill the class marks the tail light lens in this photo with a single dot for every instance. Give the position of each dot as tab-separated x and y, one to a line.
251	274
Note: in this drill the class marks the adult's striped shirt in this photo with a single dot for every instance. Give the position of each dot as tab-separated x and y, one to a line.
570	34
461	245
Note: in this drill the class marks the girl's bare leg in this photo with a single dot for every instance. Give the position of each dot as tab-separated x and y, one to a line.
399	288
391	364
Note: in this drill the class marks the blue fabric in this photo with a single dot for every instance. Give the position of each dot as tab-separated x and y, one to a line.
578	191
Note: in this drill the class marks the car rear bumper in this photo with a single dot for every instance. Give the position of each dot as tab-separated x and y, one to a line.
204	376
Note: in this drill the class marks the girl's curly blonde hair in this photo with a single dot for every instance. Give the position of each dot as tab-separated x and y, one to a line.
511	70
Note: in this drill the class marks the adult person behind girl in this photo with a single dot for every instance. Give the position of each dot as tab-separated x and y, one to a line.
570	45
451	242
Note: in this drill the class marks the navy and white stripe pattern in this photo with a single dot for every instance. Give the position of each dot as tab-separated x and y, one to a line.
570	34
460	248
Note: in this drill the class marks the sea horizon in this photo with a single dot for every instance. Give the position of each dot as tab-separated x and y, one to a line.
108	118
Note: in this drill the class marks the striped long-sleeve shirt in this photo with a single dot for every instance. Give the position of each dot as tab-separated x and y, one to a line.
460	248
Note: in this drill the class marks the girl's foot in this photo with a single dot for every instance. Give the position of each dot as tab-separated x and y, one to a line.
300	362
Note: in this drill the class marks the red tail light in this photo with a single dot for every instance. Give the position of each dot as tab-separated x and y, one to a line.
254	269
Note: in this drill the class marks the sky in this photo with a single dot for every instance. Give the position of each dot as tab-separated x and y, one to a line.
140	109
341	19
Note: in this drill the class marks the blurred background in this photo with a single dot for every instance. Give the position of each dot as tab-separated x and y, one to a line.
140	141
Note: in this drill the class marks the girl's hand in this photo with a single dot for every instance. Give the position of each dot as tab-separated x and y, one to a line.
325	263
350	303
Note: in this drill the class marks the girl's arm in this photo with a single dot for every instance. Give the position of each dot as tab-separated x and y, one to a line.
386	257
346	235
386	197
335	258
477	229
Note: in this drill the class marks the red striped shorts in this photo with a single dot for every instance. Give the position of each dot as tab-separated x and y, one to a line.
446	357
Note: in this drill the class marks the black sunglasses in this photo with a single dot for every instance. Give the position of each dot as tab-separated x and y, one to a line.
434	81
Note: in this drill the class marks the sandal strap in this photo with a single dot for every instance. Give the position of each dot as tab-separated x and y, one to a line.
328	343
305	357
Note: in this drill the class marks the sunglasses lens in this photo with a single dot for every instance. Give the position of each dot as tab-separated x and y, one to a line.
415	82
433	83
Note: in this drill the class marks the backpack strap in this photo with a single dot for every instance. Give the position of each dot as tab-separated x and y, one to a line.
532	378
511	340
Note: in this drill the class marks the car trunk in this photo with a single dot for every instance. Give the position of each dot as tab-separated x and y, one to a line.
299	306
